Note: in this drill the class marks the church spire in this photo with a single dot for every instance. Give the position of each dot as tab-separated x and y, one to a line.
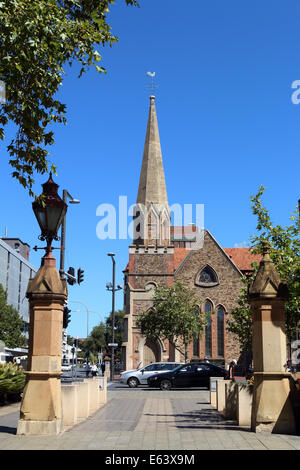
152	214
152	186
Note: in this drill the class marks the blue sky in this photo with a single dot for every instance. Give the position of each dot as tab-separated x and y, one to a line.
226	120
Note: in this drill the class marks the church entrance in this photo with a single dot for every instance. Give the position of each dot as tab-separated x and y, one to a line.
151	352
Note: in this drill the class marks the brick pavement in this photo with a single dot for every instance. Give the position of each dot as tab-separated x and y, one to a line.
148	419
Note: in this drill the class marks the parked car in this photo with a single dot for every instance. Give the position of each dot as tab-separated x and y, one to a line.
134	378
66	367
187	375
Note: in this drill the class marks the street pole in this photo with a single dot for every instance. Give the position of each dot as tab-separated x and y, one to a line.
112	287
76	352
66	196
63	239
112	370
87	314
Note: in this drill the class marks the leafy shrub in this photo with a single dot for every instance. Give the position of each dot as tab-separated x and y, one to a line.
12	379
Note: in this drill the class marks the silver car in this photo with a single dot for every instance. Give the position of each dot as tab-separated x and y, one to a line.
136	377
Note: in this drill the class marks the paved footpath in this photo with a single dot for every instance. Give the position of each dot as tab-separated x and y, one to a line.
141	419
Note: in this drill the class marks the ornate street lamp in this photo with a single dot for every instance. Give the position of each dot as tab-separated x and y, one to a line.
49	211
41	412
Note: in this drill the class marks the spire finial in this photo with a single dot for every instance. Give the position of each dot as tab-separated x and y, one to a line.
152	86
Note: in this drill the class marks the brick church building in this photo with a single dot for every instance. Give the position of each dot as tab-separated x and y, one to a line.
161	254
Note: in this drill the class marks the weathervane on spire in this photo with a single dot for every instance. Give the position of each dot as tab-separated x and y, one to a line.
152	86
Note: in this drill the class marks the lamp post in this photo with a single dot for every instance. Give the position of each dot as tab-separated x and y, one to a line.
87	314
50	211
100	315
66	196
111	286
41	407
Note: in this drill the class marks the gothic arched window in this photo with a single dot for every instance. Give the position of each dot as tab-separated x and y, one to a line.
207	277
220	330
153	226
208	339
196	349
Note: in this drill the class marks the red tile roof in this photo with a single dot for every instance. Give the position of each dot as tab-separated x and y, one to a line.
179	255
242	258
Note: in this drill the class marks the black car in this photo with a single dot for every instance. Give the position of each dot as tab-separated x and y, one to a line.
187	375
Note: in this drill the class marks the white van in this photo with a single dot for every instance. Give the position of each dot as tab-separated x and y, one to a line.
134	378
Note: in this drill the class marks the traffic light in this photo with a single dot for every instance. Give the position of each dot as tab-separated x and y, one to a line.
66	317
71	281
80	275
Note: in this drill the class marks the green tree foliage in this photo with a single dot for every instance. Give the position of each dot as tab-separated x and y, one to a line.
101	335
10	323
95	341
241	323
70	340
38	40
284	243
12	379
175	316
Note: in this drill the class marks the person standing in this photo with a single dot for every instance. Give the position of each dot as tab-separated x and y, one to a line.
232	365
94	369
87	370
103	368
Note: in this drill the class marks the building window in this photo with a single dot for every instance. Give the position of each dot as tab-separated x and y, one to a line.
207	277
208	311
220	330
196	339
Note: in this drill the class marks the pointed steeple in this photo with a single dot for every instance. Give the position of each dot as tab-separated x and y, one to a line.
152	186
152	213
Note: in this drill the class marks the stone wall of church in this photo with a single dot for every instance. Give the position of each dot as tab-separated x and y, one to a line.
157	268
224	294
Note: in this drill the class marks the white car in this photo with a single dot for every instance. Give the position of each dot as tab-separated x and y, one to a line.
66	367
134	378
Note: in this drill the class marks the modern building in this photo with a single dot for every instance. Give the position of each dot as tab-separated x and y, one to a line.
15	272
161	254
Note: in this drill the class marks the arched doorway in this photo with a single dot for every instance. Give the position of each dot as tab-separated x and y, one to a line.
151	352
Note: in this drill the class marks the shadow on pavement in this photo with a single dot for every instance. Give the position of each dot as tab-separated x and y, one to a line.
8	430
202	419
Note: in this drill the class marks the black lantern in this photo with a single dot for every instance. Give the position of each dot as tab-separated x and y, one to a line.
49	211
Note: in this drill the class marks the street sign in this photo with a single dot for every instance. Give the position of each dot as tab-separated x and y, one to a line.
113	345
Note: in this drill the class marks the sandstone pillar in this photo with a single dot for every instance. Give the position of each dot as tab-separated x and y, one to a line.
41	407
271	406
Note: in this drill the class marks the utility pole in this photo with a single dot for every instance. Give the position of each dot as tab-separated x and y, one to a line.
112	369
66	196
113	288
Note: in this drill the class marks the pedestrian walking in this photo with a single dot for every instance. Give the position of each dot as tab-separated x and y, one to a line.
94	370
232	365
87	370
